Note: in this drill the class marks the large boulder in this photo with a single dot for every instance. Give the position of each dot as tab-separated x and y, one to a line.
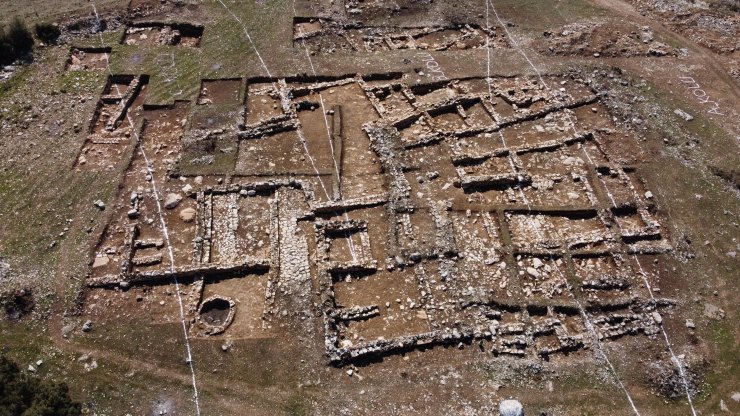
171	200
510	408
187	214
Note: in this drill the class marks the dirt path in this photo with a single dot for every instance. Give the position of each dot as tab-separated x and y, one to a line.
214	387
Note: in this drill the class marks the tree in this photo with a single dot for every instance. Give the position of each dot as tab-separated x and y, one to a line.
25	395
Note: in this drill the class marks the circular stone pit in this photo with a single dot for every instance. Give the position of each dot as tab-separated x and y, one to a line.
215	314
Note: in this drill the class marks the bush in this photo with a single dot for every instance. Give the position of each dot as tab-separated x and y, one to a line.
21	394
20	37
7	53
47	32
15	42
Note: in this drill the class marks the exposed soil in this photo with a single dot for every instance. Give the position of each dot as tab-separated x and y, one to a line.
88	59
392	207
220	91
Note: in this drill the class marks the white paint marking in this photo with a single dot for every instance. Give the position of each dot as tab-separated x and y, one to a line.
328	134
702	97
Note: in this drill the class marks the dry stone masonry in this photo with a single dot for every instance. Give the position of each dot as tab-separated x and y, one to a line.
400	216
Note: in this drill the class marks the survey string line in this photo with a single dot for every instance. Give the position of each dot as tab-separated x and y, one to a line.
162	222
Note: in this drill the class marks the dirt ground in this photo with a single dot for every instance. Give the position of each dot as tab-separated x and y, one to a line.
376	207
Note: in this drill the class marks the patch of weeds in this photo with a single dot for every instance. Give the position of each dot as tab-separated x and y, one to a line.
9	86
81	81
297	406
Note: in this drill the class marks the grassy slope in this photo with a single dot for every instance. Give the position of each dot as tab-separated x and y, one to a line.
33	11
225	51
701	207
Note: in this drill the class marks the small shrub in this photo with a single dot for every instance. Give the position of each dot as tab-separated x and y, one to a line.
20	37
47	32
15	41
7	53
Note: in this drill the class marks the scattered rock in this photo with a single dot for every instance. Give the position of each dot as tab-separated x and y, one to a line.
226	346
668	381
533	272
4	270
713	312
690	324
91	366
723	407
99	205
67	329
172	200
87	326
684	115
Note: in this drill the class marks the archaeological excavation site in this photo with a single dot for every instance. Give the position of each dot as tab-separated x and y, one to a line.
371	207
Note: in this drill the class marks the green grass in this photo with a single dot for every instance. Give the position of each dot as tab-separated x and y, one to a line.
682	173
113	387
538	15
721	381
9	87
297	406
76	82
225	51
33	11
34	212
714	140
110	38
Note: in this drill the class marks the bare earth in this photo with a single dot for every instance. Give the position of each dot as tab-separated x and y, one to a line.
376	207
